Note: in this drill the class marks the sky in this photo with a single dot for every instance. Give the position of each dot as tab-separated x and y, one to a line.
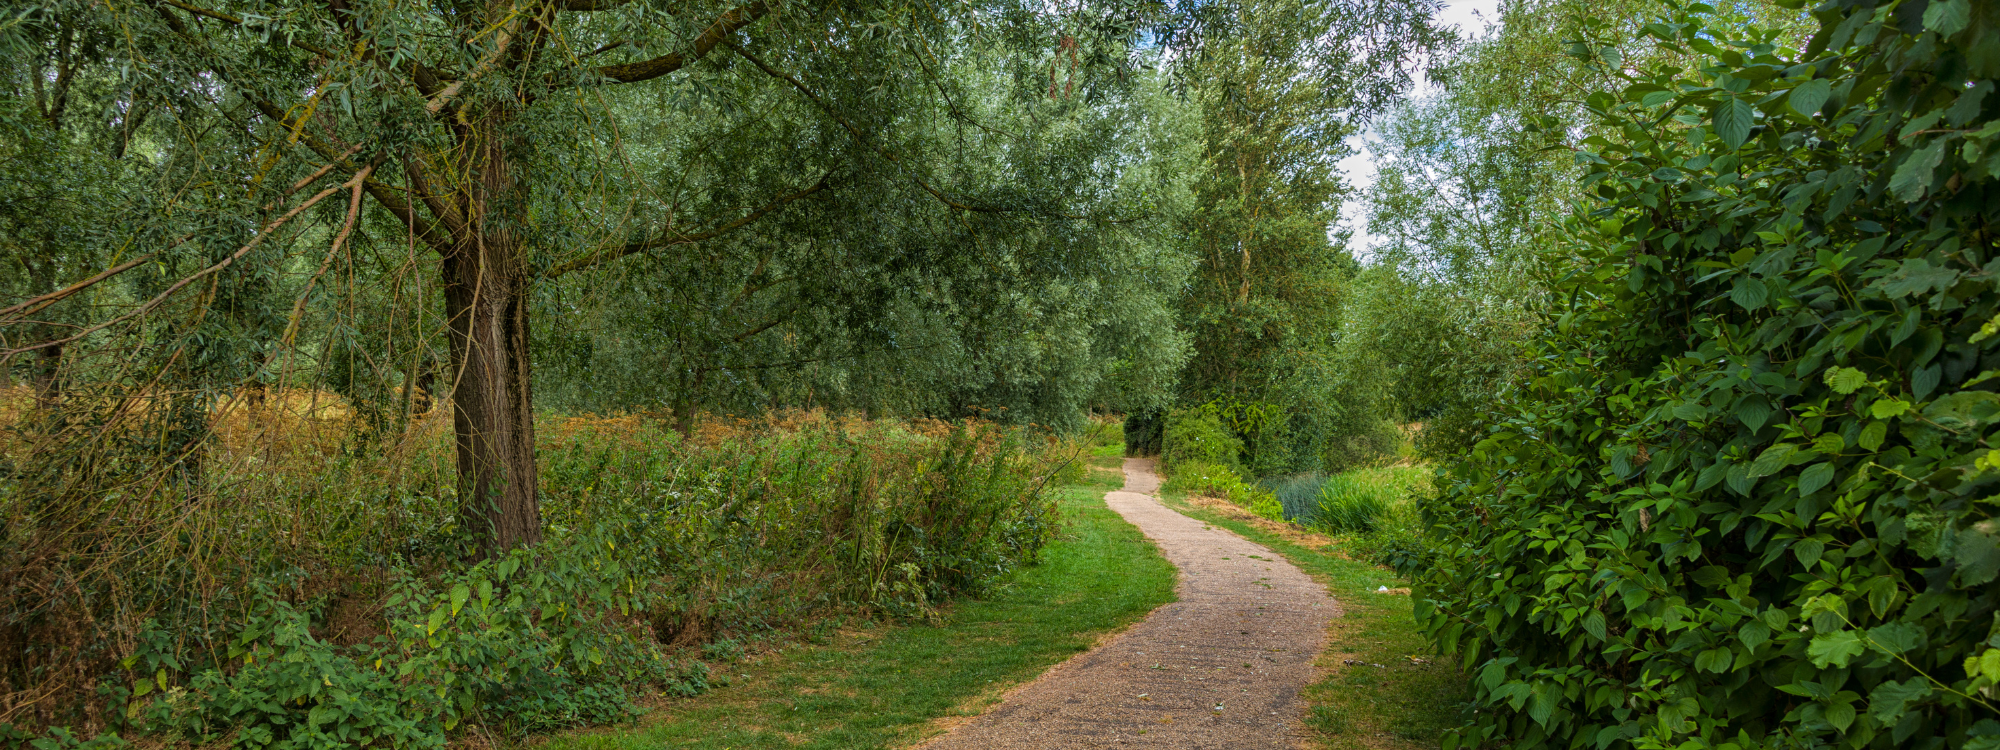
1471	18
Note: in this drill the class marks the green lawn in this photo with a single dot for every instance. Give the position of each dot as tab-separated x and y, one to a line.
889	686
1409	701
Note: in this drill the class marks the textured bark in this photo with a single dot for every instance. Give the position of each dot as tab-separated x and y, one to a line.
486	301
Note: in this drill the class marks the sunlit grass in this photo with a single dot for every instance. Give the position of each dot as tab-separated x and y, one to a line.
878	685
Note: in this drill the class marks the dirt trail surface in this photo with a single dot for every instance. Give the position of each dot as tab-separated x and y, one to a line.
1221	668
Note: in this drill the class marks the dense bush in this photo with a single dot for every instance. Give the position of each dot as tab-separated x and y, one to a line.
1745	496
1198	436
289	600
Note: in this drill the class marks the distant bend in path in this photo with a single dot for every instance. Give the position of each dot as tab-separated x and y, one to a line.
1221	668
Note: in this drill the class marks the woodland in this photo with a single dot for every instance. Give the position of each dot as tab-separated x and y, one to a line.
388	374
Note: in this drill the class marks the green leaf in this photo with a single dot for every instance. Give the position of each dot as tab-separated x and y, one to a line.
1593	623
1948	17
1753	634
1814	477
1808	551
1885	408
1918	276
1896	638
1713	660
459	594
1772	460
1889	700
1753	411
1978	556
1732	118
1913	178
1834	649
1749	292
1690	412
1543	704
1873	435
1845	380
1656	98
1840	715
1808	97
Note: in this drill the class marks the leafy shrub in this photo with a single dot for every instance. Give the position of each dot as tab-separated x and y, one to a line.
1198	436
1744	498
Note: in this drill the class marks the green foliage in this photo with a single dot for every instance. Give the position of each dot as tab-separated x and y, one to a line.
1349	507
1270	290
1216	480
1740	497
389	637
1198	436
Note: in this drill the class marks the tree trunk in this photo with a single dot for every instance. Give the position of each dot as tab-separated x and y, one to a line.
486	301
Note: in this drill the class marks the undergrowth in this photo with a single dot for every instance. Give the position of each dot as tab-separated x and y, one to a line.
300	590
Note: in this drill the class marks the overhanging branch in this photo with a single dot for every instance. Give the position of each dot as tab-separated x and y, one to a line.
716	33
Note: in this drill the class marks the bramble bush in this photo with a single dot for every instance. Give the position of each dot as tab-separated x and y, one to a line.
1746	497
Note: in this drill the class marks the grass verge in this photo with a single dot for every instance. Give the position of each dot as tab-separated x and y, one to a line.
1380	685
893	685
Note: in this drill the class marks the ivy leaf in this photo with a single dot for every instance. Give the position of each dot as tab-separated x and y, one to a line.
1845	380
1889	700
1814	477
1948	17
1834	649
1732	119
1808	97
1749	292
1913	178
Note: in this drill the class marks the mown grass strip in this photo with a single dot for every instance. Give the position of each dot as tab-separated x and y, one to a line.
890	686
1408	701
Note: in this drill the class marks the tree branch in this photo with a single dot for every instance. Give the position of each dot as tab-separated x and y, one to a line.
234	21
854	131
602	257
716	33
263	233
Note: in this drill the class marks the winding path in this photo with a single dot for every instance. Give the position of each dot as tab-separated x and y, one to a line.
1221	668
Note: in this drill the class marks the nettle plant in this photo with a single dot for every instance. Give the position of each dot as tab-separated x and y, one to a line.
1746	497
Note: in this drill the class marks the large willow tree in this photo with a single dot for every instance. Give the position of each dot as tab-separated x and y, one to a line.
482	151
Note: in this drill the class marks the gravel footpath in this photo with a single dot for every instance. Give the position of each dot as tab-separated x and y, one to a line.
1221	668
